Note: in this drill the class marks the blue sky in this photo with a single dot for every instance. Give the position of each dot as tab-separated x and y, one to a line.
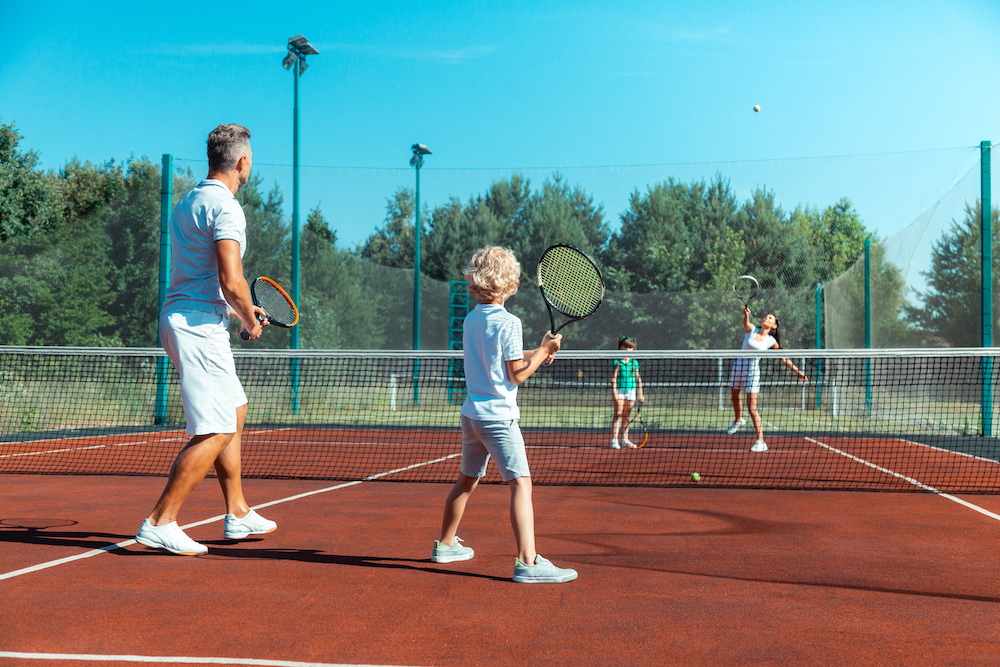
501	85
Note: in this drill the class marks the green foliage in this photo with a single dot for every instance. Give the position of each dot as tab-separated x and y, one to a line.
29	202
952	312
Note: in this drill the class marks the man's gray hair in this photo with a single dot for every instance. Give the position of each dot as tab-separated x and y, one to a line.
226	145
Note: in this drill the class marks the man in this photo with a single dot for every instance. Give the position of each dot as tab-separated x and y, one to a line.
208	239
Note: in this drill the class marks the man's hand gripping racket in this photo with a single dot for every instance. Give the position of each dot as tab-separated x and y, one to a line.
278	306
570	283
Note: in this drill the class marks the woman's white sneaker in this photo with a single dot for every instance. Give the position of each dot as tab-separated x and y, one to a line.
759	446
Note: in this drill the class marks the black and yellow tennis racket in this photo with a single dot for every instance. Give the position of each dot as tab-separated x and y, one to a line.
637	428
570	283
280	308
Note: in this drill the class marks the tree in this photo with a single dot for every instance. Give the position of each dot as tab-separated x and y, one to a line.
29	203
952	305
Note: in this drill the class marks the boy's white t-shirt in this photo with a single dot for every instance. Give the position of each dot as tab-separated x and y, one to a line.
491	336
206	214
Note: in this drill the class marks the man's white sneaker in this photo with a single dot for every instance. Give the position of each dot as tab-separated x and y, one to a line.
759	446
251	524
735	426
169	536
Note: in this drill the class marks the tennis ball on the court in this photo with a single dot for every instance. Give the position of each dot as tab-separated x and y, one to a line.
756	107
695	477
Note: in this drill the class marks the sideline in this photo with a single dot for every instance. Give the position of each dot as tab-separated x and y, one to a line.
128	543
910	480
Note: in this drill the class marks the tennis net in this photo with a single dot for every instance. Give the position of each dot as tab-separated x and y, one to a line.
877	420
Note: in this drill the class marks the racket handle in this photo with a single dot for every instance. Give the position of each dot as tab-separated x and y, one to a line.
245	335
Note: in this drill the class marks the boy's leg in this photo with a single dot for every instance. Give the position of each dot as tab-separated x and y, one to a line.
522	518
454	507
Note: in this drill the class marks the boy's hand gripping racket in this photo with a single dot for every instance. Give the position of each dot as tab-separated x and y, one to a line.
570	283
746	289
280	308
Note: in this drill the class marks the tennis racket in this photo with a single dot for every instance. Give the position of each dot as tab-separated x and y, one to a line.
570	283
280	308
637	428
746	289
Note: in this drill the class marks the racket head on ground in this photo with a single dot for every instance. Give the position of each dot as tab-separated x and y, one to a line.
637	428
280	308
570	282
746	288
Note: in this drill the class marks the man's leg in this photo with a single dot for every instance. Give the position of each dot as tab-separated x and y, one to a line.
190	467
228	467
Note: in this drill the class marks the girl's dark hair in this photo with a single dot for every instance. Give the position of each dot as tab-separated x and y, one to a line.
628	339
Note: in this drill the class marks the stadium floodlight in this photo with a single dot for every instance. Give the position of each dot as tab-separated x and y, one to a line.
303	67
420	149
289	60
302	45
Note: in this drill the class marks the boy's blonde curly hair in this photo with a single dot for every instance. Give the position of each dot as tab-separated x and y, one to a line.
493	272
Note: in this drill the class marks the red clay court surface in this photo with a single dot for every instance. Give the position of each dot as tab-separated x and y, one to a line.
689	576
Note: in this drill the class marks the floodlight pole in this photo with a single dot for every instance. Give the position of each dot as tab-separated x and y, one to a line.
298	48
417	161
986	244
295	202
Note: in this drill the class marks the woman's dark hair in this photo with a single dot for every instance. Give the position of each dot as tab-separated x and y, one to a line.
775	334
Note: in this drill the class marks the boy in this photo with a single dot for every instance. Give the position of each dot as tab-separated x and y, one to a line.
495	364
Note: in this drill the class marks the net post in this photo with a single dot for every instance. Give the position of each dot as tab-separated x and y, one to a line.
166	204
819	344
868	327
986	241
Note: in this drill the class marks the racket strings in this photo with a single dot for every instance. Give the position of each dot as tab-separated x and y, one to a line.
570	282
279	309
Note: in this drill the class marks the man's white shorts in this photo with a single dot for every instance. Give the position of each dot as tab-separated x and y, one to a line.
198	345
745	375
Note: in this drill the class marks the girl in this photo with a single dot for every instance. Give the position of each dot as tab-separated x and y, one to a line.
626	387
745	375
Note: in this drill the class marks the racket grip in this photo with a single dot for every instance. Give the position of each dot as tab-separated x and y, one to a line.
245	335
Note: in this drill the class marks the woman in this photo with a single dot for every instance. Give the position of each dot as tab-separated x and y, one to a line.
745	375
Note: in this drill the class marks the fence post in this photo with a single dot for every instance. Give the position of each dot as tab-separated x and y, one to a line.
166	204
986	211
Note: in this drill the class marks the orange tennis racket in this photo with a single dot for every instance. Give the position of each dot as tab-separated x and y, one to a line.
280	308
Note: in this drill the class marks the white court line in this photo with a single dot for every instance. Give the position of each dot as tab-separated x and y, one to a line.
910	480
175	659
128	543
71	449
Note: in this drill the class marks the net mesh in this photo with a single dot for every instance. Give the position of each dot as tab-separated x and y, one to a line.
570	281
878	420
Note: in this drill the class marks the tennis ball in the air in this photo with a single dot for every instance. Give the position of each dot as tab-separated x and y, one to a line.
756	107
695	477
